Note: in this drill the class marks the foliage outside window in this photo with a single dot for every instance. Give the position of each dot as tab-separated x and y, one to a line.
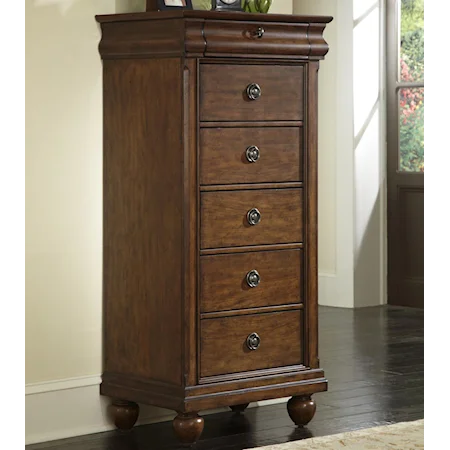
412	99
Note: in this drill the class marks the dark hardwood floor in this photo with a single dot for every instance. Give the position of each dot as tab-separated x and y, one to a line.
373	359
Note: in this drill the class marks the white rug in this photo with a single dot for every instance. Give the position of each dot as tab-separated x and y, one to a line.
400	436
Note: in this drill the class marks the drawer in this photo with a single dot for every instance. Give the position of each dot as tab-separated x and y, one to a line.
249	280
223	92
227	155
260	39
224	347
225	220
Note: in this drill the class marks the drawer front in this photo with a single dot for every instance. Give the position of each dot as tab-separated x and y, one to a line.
250	38
224	347
223	92
227	155
225	217
249	280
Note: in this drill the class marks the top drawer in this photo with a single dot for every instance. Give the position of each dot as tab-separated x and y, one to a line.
258	39
225	96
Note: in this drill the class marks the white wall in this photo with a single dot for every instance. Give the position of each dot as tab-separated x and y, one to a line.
369	148
63	189
351	154
63	218
281	7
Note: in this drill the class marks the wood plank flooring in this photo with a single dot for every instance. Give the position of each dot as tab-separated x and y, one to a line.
373	359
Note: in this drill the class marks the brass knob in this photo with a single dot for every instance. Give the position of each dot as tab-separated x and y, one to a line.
253	217
252	153
254	91
253	341
253	278
259	33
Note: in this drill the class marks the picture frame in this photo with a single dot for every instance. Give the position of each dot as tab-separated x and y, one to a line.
161	5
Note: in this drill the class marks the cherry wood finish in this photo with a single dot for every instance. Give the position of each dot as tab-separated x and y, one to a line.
223	284
253	248
140	195
223	155
231	37
254	310
177	242
301	409
124	414
281	92
224	217
238	409
182	32
188	427
227	337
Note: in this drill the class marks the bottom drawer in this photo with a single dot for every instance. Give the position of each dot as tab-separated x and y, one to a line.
226	342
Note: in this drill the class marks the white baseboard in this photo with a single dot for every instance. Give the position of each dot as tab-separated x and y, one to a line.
74	407
328	290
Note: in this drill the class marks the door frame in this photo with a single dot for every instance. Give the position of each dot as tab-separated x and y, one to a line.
396	180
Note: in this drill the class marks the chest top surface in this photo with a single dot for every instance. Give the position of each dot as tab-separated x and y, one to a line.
212	34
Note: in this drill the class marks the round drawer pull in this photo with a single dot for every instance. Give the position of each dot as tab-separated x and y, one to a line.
253	341
253	91
259	33
252	153
253	217
253	278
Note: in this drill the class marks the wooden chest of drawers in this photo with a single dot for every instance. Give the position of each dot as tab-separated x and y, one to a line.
210	212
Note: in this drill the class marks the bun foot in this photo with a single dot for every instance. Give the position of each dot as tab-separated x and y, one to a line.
188	427
239	408
301	409
125	414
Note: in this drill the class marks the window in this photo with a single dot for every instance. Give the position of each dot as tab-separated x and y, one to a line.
406	83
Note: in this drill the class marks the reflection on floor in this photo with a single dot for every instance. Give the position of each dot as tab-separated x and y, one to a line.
373	359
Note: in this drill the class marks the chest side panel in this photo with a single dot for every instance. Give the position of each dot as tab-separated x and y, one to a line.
143	225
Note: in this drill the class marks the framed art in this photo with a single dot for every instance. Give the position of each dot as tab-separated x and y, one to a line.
159	5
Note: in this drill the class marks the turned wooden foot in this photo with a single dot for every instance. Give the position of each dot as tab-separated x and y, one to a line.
188	427
124	414
239	408
301	409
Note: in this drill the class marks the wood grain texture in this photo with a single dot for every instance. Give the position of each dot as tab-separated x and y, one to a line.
224	287
131	39
223	96
220	399
311	213
224	217
188	427
277	382
255	379
236	37
318	45
177	243
250	248
253	310
272	123
301	409
143	226
223	159
210	33
280	335
252	186
142	390
190	220
124	414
